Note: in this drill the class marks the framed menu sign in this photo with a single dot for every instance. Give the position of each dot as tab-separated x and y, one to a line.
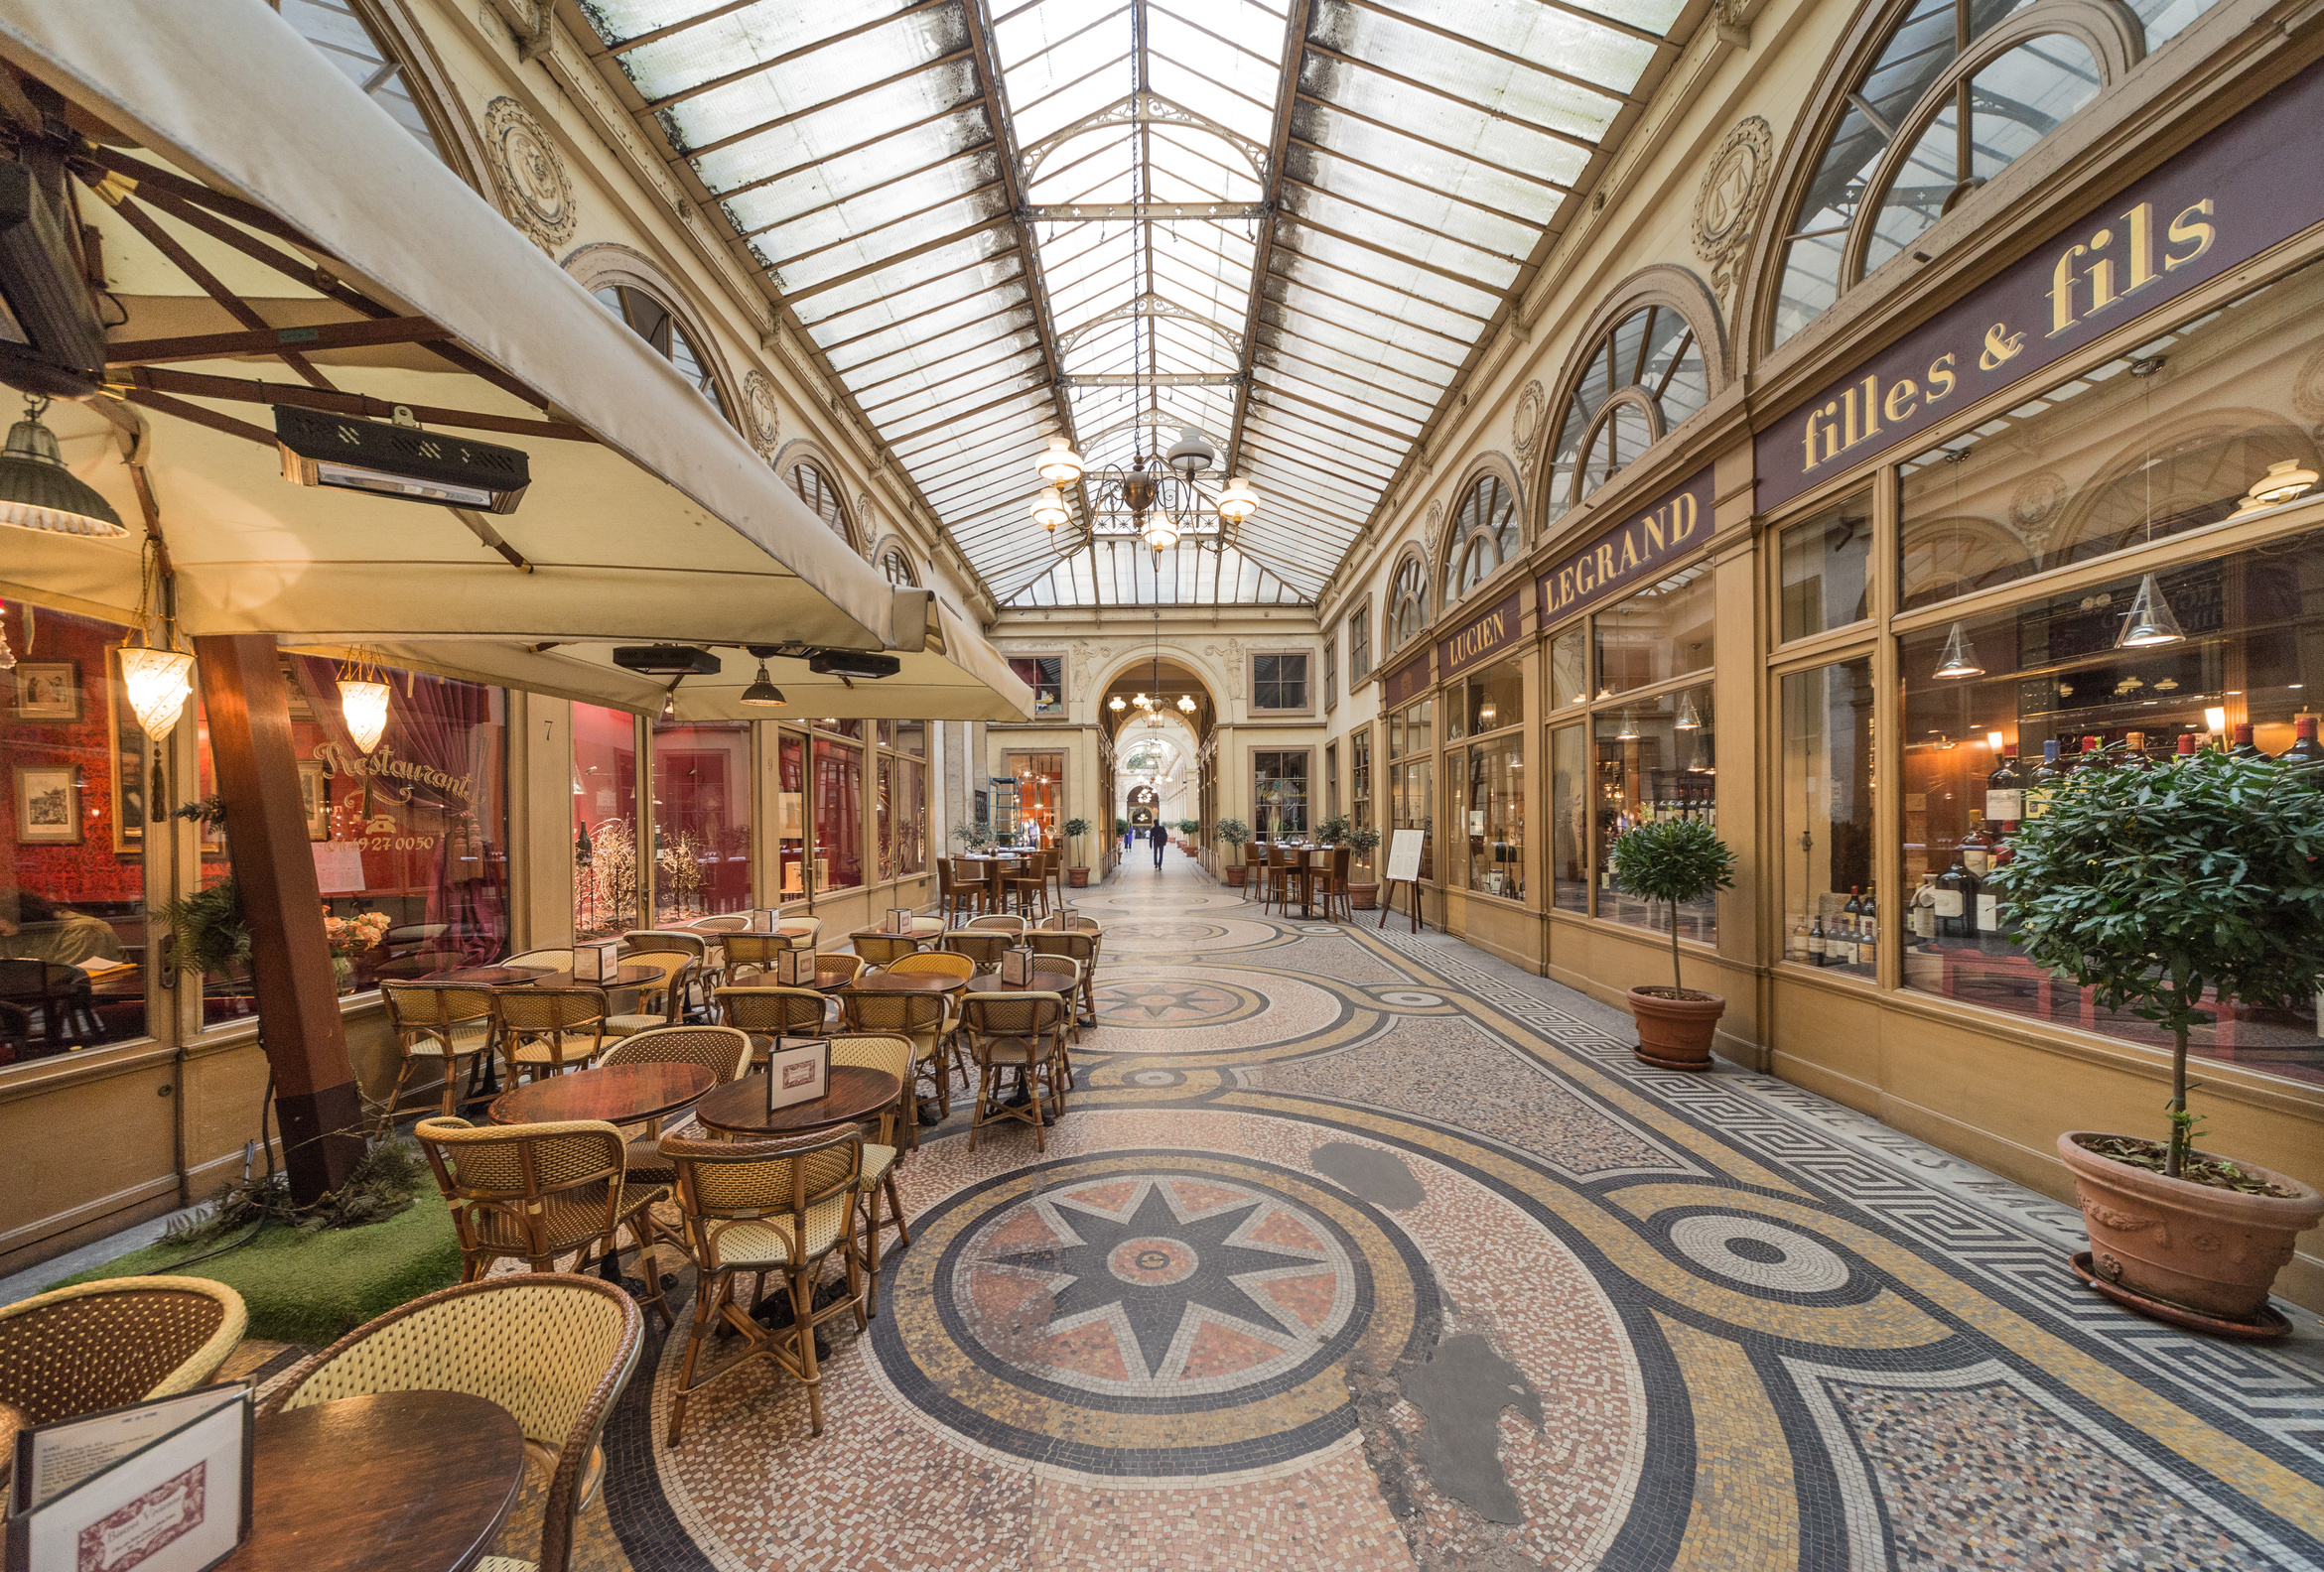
597	963
797	1071
795	967
161	1486
1016	968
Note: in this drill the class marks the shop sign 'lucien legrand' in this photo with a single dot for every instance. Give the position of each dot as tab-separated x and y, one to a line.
1626	555
1482	636
2251	183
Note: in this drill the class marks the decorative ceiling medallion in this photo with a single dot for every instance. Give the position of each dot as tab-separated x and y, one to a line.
761	414
1526	425
537	190
1730	200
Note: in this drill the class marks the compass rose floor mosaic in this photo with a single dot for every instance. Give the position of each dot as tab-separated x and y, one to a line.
1358	1250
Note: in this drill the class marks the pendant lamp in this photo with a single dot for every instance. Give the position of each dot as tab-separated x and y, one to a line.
364	704
1959	658
1688	720
38	492
762	693
2149	621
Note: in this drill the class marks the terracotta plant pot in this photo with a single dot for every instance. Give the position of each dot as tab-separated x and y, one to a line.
1237	876
1363	897
1676	1033
2214	1251
1077	878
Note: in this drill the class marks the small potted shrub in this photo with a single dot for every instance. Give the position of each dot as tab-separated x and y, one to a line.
1674	861
1234	833
1189	828
2153	885
1332	832
1363	897
1078	876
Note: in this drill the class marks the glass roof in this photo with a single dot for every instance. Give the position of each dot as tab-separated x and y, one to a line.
1002	220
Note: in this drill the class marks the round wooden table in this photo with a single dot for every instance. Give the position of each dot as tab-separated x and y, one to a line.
622	1094
922	928
990	983
624	976
393	1482
905	983
739	1107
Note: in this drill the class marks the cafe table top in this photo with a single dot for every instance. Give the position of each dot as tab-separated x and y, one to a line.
905	983
990	983
739	1107
390	1481
624	976
922	928
621	1093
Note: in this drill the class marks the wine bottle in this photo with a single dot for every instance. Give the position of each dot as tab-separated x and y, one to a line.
1816	942
2244	746
2304	751
2042	784
1957	889
2005	792
1795	939
2094	753
1974	852
1868	939
1924	910
1841	941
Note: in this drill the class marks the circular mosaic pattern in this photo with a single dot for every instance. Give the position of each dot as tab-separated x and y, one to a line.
1409	998
1155	1078
1761	1253
1144	1313
1172	1001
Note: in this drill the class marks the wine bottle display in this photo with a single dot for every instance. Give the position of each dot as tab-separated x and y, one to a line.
2042	785
2006	790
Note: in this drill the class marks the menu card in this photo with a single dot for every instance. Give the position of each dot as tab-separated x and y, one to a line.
797	1074
598	960
899	920
1016	968
162	1486
795	967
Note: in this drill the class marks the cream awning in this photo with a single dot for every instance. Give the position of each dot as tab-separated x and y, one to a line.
668	527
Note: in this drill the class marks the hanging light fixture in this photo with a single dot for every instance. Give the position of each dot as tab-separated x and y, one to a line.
1059	466
1488	715
1688	720
1960	657
7	655
1629	731
2283	482
2149	621
158	682
1186	702
1048	509
1159	531
762	694
1239	502
362	701
1115	704
38	492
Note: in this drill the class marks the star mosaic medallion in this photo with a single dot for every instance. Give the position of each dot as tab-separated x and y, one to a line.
1163	1003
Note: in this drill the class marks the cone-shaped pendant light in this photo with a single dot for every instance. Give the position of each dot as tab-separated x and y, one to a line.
1959	658
2149	620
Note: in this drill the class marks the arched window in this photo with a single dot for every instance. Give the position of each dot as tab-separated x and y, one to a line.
1643	377
819	492
653	322
897	566
358	38
1408	603
1958	90
1484	535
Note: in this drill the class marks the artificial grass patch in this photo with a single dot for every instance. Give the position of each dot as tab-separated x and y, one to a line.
314	1286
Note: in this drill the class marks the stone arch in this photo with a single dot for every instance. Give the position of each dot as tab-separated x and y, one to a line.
1410	566
895	548
608	264
1446	547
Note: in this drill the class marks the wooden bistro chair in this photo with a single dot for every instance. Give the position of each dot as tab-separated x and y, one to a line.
884	950
953	899
761	1207
724	1051
972	887
661	1002
537	1192
638	944
750	952
770	1013
1336	900
979	945
106	1345
924	1019
1021	1030
999	922
555	1350
1029	886
880	1051
1082	948
437	1026
544	1032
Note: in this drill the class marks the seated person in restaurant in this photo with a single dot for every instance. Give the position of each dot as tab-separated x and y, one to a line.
32	928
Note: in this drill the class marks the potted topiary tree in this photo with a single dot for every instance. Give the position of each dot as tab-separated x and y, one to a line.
2153	885
1365	895
1189	828
1673	861
1075	829
1234	833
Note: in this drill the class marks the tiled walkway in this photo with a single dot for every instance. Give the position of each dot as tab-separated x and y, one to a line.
1360	1250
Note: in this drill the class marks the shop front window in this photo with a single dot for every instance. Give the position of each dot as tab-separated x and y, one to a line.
1657	635
883	817
1495	698
1826	564
701	820
1568	667
1494	825
1039	782
605	821
1046	676
911	817
1412	778
73	925
1359	777
1569	797
1279	793
1654	761
839	816
1826	809
790	806
2046	676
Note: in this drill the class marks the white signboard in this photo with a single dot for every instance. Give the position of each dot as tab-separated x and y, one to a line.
1404	854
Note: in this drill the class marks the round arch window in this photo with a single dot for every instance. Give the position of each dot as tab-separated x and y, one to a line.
1408	603
816	490
1642	377
1484	535
898	569
651	320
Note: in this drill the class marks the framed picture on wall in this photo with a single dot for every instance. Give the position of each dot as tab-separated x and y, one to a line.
132	759
315	799
48	690
48	804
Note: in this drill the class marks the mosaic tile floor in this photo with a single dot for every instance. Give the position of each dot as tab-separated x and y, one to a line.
1358	1250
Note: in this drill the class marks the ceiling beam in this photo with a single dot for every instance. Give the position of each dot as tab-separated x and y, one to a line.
1159	379
1295	45
1111	212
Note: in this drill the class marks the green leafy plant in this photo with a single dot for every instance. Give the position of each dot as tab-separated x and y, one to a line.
1232	830
973	837
1121	826
1075	829
1189	827
2153	884
1331	831
206	929
1674	861
1364	841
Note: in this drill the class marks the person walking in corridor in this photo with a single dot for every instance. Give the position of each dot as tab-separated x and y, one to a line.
1161	837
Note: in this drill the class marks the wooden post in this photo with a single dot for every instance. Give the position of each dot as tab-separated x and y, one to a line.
315	1097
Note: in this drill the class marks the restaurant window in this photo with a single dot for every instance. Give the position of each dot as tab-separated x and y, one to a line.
791	809
2046	673
605	822
1656	761
1331	674
1494	818
1569	666
912	817
1408	603
1495	698
1331	781
1279	792
884	816
853	730
1965	112
1412	777
1483	536
653	321
1046	676
701	820
897	564
1826	811
1359	777
73	926
2168	438
1039	781
821	494
1657	635
1569	797
839	809
1278	682
1825	569
1639	380
1360	645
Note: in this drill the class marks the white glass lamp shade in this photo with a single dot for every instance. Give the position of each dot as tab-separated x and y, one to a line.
1116	705
1960	657
1060	465
1238	501
2283	482
1688	720
1186	702
1192	454
2149	621
364	704
1048	509
1160	533
159	681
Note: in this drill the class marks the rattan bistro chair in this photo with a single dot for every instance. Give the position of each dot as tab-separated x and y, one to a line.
999	922
438	1027
544	1032
759	1207
1082	948
108	1344
751	950
661	1003
980	946
884	950
1015	1031
892	1053
555	1350
770	1013
923	1019
641	944
723	1050
535	1192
